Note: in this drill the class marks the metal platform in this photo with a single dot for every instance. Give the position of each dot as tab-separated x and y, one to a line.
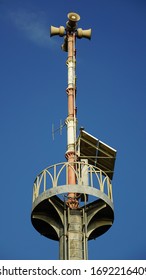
72	227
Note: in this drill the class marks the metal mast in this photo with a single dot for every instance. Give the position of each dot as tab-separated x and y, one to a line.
84	181
71	120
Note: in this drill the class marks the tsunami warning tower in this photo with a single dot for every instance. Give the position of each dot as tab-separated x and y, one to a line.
72	201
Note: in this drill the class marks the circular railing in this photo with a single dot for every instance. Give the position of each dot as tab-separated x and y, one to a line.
86	174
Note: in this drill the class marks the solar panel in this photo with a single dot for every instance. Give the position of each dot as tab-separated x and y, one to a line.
98	153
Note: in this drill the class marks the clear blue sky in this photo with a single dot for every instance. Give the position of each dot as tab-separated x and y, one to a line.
111	101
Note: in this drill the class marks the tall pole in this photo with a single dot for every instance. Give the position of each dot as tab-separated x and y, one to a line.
71	120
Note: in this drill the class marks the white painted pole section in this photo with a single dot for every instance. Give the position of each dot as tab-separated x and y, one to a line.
71	74
70	135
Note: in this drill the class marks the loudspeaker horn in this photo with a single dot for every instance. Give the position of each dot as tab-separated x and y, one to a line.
84	33
57	31
73	17
72	23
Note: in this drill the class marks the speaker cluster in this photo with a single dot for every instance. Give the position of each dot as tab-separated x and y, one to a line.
71	26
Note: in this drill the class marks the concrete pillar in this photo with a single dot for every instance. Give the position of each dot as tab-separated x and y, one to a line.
75	235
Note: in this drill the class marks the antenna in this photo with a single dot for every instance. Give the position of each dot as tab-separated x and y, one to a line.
58	129
84	180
